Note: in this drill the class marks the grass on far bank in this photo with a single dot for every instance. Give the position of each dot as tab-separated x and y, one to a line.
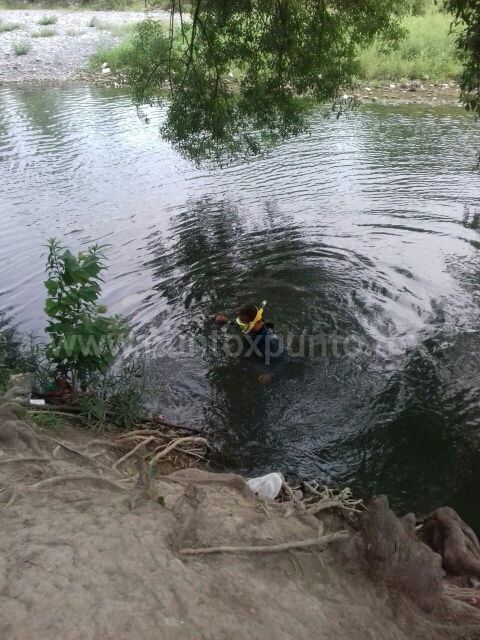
21	48
118	30
113	56
427	53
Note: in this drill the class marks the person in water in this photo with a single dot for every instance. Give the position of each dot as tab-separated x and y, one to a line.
259	341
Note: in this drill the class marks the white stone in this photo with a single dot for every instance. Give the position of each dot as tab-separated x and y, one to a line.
106	70
392	86
367	89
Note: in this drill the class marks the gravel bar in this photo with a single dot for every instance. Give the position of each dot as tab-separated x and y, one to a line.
63	56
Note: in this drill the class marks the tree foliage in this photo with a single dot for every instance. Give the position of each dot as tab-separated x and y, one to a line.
243	74
467	21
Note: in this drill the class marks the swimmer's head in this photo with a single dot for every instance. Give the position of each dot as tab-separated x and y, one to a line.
248	317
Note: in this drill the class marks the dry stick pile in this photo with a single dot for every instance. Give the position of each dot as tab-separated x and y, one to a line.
157	445
319	499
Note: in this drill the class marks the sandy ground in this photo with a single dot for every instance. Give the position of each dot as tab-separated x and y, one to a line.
61	56
85	560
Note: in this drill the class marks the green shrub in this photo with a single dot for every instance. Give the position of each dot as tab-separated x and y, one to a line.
44	32
46	20
10	352
116	56
49	420
120	394
9	26
84	341
21	353
21	48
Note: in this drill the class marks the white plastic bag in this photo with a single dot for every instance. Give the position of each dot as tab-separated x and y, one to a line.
266	486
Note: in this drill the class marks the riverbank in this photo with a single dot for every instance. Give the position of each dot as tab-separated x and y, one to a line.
77	37
94	549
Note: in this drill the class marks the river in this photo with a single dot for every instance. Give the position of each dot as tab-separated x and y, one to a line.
364	233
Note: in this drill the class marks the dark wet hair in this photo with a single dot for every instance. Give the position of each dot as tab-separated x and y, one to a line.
249	313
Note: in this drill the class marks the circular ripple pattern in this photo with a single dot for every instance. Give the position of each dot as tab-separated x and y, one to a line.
364	234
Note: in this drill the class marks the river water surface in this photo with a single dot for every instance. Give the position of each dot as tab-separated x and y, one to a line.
367	230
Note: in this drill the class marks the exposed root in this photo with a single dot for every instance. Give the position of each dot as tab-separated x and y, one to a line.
290	493
29	438
329	504
52	482
133	452
11	501
68	447
25	459
461	593
275	548
104	443
142	432
175	444
447	534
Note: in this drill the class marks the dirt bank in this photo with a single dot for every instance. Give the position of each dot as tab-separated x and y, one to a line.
90	552
59	57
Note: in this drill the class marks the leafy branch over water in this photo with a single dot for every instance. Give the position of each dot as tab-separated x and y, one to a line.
242	75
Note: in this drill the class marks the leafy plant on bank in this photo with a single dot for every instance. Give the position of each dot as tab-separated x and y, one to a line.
84	341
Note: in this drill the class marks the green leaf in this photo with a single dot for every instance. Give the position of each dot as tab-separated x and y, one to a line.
52	286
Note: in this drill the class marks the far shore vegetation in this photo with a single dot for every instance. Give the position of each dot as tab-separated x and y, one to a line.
427	52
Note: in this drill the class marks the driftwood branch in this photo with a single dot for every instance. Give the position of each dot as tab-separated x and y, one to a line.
52	482
275	548
175	444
